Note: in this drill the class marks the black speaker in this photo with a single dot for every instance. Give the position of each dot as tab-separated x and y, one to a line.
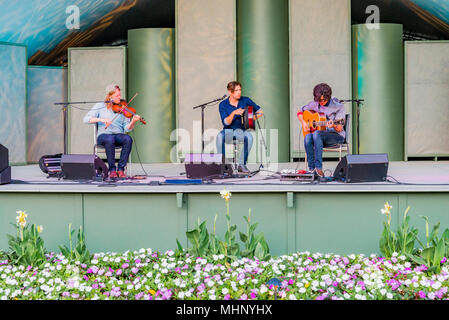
206	165
5	176
355	168
5	169
4	158
82	166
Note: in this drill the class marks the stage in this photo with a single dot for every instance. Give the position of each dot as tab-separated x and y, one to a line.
415	176
330	217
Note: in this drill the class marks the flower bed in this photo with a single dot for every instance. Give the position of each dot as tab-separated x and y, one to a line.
147	275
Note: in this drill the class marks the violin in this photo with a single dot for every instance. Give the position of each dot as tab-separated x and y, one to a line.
123	108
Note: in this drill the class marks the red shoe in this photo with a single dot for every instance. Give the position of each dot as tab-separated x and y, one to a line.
121	174
113	174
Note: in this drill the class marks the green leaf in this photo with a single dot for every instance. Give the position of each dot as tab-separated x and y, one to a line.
259	252
416	259
243	237
427	254
440	250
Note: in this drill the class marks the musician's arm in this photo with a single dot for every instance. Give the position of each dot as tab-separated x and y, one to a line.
130	126
93	116
303	123
228	119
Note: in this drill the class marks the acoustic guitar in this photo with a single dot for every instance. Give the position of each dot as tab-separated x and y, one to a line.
317	121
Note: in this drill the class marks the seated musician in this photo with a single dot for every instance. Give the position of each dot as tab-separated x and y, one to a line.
231	111
329	106
112	129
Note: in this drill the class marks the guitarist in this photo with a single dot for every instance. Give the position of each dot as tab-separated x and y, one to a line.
325	104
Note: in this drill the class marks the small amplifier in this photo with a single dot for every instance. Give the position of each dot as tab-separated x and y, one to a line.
297	177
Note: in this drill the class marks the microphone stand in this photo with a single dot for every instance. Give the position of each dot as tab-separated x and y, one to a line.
359	102
64	112
203	106
266	149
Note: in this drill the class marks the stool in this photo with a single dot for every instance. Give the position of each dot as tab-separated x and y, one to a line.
235	144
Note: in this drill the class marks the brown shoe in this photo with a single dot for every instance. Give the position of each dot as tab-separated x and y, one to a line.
319	172
121	174
113	174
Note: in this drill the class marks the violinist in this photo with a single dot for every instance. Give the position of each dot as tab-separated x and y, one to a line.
112	129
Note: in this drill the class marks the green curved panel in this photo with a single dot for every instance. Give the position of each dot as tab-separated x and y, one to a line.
151	75
263	66
378	77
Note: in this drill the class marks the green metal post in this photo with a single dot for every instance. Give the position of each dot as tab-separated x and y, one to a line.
263	65
151	75
378	78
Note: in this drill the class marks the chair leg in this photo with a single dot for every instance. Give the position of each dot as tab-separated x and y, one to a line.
305	160
235	154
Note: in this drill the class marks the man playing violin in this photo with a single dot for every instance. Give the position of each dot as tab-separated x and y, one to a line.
112	129
231	113
314	142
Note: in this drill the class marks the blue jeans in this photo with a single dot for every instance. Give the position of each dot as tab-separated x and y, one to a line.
314	143
228	135
109	141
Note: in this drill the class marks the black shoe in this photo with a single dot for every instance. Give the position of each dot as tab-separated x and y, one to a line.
243	169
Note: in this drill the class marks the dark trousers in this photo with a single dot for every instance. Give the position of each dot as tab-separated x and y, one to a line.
109	142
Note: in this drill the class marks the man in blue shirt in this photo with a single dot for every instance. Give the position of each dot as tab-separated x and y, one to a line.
325	104
231	111
112	129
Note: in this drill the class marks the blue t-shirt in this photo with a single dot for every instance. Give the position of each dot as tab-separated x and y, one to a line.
226	109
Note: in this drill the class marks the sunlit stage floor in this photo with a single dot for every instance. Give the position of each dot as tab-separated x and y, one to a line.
412	176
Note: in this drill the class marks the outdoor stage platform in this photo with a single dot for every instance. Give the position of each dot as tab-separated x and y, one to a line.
332	217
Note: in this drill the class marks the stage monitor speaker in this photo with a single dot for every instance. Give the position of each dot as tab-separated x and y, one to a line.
5	169
82	166
4	158
206	165
355	168
5	176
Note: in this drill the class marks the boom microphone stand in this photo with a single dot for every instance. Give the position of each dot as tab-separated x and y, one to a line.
203	106
65	105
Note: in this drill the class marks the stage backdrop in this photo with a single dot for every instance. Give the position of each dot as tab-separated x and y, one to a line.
205	63
13	61
45	86
426	98
90	71
320	51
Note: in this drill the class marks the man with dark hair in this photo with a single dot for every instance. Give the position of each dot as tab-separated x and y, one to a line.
328	106
231	111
